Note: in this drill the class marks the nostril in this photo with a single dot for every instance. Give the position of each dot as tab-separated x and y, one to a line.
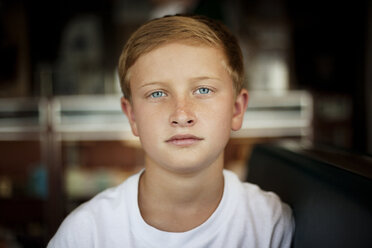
190	121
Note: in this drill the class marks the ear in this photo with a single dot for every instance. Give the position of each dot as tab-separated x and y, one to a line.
127	108
240	105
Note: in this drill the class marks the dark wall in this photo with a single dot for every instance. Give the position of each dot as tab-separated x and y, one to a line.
329	57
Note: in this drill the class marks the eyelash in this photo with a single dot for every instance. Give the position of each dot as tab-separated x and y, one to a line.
197	91
152	95
157	92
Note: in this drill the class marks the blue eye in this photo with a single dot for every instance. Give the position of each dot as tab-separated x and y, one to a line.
157	94
203	91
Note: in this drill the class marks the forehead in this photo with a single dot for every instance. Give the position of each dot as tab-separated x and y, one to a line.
195	42
179	59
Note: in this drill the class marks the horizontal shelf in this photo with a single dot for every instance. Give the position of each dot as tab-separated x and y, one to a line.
100	117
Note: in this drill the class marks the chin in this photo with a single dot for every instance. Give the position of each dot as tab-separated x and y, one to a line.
189	167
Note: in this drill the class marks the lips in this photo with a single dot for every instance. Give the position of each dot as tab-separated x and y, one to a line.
183	140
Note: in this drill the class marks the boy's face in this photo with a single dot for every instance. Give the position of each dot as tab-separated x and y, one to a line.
183	106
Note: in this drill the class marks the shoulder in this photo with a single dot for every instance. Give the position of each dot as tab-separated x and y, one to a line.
269	217
270	214
70	234
256	199
265	201
83	226
110	200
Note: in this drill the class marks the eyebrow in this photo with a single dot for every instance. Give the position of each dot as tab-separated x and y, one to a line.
151	83
196	79
192	80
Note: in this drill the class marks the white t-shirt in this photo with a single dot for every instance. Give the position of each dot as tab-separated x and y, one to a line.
245	217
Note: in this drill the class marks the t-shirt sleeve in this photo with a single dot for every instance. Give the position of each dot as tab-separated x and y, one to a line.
77	230
284	227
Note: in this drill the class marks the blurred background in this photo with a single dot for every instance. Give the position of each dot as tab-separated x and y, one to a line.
63	137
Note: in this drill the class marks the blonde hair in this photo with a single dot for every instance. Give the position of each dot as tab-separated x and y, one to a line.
194	30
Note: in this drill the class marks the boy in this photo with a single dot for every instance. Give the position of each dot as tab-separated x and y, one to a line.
182	82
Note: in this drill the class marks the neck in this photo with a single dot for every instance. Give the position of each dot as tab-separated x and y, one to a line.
173	201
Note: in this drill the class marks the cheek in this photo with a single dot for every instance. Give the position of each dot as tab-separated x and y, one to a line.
149	120
217	117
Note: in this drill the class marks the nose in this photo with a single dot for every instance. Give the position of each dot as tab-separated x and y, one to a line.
183	114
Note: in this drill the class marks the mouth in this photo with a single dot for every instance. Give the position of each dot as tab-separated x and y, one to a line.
183	140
